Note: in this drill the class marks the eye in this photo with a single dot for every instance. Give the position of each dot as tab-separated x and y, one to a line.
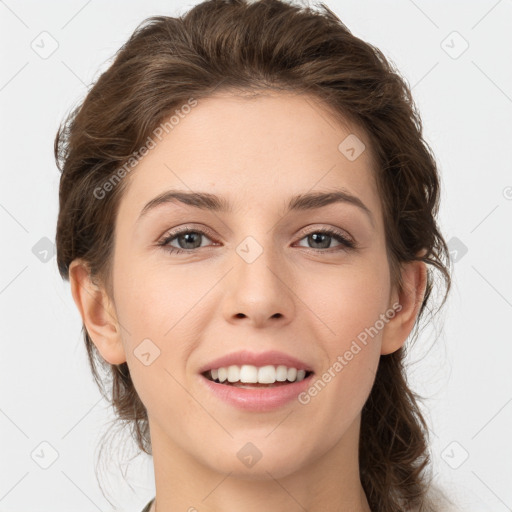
323	238
189	240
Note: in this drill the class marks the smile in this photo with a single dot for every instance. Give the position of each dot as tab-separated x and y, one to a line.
256	397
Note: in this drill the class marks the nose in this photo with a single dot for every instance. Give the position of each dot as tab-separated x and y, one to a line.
259	291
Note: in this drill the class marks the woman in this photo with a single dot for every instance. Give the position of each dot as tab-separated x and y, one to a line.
248	223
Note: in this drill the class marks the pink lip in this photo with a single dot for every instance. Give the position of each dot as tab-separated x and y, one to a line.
257	399
272	357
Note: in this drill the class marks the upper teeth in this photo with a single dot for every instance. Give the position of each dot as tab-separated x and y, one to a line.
263	375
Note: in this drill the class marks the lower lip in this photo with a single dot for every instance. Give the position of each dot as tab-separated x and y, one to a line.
257	399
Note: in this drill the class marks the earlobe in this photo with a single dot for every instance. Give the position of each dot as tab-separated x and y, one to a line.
97	312
410	298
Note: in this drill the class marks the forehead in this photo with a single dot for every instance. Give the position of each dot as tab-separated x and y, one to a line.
255	150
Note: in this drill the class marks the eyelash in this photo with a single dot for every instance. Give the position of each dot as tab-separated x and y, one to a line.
337	235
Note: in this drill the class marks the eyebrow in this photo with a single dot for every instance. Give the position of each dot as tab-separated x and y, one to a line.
300	202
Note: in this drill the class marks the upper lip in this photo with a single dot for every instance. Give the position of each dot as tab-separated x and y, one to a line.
272	357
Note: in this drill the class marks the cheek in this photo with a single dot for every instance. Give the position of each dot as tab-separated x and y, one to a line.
152	313
154	301
349	300
352	306
156	331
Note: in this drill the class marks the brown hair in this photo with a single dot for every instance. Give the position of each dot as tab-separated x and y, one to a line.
236	45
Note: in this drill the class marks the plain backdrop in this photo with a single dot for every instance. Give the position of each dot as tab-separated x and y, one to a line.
457	58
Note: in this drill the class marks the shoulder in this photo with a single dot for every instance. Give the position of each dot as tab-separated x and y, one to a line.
148	506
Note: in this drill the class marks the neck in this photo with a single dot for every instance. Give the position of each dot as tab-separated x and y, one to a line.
329	483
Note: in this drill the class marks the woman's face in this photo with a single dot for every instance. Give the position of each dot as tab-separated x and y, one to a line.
255	276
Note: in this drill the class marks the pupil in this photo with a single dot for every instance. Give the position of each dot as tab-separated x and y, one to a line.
187	237
315	237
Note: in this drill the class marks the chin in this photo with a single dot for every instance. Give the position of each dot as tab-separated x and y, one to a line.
253	461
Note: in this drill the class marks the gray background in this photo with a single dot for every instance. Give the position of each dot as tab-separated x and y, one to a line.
46	391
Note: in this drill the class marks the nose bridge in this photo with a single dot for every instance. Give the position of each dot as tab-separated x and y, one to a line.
257	288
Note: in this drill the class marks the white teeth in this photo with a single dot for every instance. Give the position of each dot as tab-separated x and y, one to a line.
247	373
267	375
292	374
281	373
233	373
223	374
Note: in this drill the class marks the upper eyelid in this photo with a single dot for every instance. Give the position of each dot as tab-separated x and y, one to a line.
185	229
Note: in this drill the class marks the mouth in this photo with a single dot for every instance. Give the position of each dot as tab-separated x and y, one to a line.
256	389
256	382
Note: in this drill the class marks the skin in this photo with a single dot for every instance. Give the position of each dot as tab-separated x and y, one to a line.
198	306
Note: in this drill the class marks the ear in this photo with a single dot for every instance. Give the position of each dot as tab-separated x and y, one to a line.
97	312
414	276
